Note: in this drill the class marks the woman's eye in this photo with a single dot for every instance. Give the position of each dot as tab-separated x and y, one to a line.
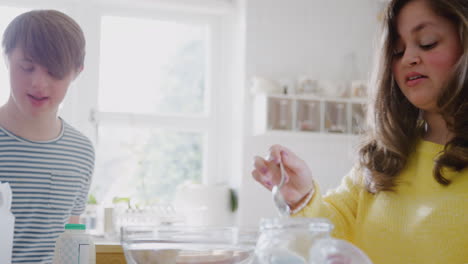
428	46
398	54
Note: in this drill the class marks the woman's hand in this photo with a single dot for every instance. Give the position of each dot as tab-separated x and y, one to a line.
298	181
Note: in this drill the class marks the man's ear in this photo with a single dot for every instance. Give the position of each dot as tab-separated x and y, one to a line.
6	60
78	71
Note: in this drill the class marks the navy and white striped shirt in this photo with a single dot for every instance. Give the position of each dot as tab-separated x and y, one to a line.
50	182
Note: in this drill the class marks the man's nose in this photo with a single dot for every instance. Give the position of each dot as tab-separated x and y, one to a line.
40	80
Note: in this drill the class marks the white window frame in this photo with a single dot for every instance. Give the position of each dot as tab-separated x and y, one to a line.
80	105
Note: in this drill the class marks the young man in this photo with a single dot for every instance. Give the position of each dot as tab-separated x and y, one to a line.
47	162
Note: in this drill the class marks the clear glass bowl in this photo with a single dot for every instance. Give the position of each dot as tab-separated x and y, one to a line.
184	245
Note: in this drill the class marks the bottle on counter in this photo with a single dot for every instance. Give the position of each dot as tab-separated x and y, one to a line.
74	246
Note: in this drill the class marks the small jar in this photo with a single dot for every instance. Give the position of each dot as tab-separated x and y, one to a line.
303	241
74	246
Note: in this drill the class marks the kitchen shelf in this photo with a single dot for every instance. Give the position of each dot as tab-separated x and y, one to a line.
308	114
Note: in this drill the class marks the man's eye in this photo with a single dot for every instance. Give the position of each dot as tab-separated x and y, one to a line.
55	75
27	68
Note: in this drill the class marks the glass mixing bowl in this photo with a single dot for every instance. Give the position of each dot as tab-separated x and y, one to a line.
188	245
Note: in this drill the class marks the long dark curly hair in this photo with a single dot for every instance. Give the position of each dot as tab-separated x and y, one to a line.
394	123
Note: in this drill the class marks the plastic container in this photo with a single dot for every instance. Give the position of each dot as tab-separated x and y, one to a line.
74	246
7	224
303	241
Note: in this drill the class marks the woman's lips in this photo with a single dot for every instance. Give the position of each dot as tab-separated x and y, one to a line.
414	78
414	82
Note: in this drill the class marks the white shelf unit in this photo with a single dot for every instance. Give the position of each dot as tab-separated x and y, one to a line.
308	114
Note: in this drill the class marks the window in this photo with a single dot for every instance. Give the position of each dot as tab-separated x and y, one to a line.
147	164
154	119
150	66
151	96
6	15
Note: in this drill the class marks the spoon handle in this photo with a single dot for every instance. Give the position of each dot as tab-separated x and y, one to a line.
283	175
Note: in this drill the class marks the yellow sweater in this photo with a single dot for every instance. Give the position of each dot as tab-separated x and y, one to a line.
422	222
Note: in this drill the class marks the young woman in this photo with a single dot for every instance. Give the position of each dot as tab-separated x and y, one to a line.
46	161
406	201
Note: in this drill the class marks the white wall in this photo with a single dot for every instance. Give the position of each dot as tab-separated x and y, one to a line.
288	39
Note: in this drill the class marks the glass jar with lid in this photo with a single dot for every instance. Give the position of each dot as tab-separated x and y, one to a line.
303	241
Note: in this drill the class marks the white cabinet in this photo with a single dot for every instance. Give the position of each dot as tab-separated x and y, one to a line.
304	113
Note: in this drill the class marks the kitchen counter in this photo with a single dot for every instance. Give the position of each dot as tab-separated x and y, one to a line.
109	253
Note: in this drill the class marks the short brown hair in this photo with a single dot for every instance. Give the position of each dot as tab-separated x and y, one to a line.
50	38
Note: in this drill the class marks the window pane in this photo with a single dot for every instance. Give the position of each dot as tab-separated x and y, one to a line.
6	15
152	66
145	164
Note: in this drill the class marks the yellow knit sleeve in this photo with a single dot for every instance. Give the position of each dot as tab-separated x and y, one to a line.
338	205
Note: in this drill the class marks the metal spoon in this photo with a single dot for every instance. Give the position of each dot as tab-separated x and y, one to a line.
278	198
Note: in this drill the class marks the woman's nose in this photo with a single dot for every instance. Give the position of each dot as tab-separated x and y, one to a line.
411	58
